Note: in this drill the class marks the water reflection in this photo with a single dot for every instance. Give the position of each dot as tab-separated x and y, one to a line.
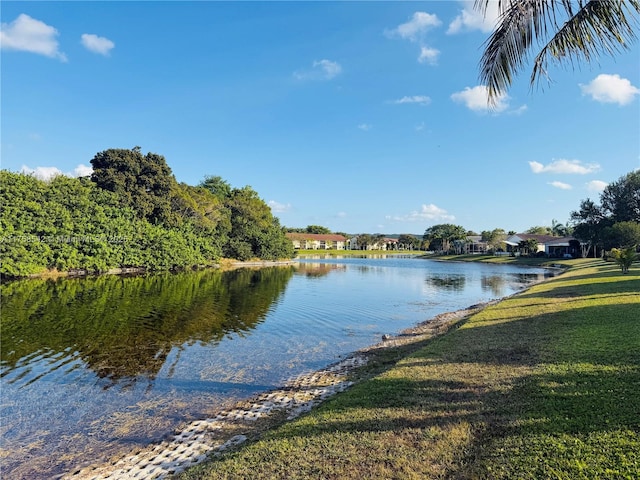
92	367
453	282
123	328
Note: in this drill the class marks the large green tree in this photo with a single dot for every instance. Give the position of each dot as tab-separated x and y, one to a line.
255	232
611	224
555	31
443	235
142	182
494	238
620	200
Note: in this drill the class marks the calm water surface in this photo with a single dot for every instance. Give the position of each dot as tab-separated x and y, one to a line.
94	367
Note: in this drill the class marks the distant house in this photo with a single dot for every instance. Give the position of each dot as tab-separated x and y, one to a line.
317	241
474	244
549	244
382	244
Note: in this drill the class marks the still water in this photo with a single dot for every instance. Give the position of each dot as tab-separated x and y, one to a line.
96	366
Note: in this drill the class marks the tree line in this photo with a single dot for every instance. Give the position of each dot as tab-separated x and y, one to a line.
613	225
130	213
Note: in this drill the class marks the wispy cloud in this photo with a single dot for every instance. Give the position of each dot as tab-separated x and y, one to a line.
320	70
416	27
428	213
561	185
564	166
417	99
365	127
277	207
470	19
610	89
30	35
47	173
428	55
477	99
415	31
596	185
96	44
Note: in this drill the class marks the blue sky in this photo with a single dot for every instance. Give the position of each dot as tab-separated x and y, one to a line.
358	116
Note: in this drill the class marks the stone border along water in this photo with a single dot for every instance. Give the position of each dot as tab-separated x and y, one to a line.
213	436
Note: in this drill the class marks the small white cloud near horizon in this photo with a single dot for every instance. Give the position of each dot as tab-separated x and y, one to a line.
470	19
564	166
96	44
477	99
596	185
365	127
320	70
561	185
416	27
428	55
27	34
429	212
277	207
607	88
422	100
47	173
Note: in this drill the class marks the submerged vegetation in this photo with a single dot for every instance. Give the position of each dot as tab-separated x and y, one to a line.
544	384
131	213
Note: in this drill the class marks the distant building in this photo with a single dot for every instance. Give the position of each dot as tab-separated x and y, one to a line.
381	244
549	244
317	241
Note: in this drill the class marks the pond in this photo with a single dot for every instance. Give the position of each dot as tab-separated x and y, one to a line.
92	367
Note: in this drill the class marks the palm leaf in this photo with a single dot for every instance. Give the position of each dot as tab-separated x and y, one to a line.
579	31
599	27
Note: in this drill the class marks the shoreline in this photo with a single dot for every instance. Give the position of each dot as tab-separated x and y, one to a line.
249	418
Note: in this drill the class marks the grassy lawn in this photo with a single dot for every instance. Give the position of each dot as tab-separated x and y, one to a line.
542	385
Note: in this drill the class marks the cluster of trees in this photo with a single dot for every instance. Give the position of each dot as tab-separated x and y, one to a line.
131	212
611	226
615	222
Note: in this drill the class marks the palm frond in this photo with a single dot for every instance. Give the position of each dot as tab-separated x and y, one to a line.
598	27
579	30
507	49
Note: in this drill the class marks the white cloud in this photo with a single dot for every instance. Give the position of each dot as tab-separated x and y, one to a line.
41	173
428	55
418	99
610	89
47	173
97	44
341	215
416	27
564	166
518	111
320	70
476	99
82	171
561	185
471	19
429	212
30	35
365	127
596	185
277	207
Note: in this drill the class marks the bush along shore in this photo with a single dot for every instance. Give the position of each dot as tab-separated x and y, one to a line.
543	384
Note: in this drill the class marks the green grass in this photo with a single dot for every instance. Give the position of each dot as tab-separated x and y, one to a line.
543	385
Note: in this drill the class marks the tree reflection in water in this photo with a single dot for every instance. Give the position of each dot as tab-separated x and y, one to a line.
123	328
